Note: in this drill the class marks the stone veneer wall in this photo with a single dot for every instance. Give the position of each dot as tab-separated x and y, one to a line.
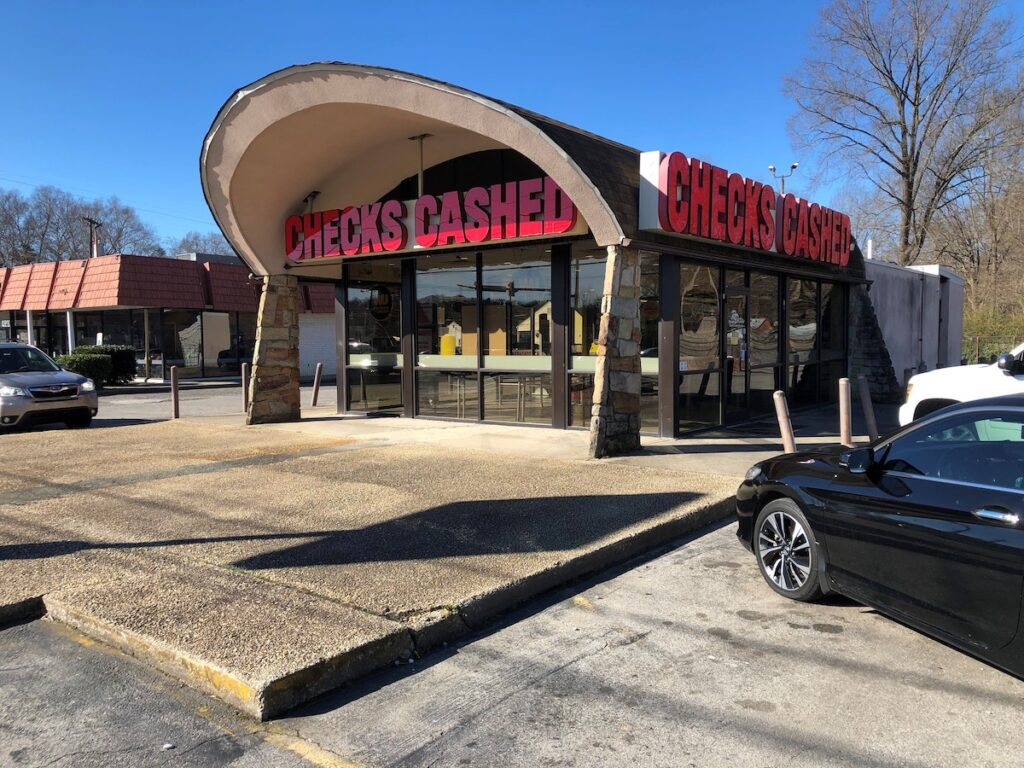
868	353
275	371
615	416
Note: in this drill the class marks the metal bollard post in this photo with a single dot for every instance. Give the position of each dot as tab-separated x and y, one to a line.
245	387
174	392
785	423
864	390
845	417
316	382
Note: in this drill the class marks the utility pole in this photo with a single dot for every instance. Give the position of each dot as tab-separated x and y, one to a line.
94	240
782	177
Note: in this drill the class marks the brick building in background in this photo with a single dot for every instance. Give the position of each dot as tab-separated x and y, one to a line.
200	311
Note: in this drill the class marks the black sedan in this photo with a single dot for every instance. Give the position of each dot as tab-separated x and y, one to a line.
926	525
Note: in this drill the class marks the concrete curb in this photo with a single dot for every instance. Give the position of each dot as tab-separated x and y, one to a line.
478	610
270	698
185	667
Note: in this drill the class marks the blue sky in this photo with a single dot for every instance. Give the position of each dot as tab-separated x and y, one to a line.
106	98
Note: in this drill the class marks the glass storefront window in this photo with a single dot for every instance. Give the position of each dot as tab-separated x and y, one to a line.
763	384
802	319
650	314
516	290
586	286
699	306
517	397
374	323
699	400
764	319
699	395
581	399
117	327
88	328
447	394
445	303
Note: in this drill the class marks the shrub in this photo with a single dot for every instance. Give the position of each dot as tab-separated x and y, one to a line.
122	360
95	367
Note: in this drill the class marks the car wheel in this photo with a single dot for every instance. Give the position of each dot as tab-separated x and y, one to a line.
786	552
79	422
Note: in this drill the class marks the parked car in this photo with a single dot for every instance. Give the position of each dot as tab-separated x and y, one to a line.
231	359
927	392
926	525
34	389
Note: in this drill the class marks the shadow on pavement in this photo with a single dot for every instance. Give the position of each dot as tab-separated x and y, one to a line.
458	529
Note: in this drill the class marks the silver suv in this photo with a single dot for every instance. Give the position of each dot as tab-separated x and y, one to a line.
34	389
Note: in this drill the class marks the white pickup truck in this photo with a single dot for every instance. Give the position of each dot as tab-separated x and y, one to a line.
929	391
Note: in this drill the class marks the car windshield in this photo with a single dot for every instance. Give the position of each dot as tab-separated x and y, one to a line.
25	360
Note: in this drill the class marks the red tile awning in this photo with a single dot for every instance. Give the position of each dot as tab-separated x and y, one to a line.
124	280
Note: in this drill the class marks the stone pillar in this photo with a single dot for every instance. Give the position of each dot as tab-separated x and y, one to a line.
275	366
615	417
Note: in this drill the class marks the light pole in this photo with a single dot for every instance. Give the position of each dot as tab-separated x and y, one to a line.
782	177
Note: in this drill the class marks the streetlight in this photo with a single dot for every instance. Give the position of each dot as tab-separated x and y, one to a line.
782	177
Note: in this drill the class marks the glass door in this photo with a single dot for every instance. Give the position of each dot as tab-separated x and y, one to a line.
763	344
734	332
373	373
700	355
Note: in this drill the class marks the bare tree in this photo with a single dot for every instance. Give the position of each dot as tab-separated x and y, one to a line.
197	242
910	96
48	226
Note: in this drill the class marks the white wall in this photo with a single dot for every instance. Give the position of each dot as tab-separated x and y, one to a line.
920	312
316	344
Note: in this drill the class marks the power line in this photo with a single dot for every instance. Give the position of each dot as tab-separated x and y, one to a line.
77	193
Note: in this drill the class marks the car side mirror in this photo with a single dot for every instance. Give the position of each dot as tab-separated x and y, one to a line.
858	460
1007	363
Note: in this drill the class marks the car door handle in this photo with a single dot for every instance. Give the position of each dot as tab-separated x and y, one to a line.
997	516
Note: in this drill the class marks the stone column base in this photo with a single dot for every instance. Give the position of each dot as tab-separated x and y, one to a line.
274	385
615	416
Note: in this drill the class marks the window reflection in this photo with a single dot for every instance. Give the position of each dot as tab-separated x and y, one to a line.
802	312
764	319
802	321
586	285
650	313
374	323
698	318
516	290
446	325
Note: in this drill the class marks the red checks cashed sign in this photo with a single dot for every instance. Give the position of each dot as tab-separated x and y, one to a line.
514	210
685	196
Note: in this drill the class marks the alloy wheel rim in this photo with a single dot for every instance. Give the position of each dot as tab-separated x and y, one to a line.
785	551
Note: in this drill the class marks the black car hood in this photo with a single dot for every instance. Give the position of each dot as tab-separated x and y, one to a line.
828	454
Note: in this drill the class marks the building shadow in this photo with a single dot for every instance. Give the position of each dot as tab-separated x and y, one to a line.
455	529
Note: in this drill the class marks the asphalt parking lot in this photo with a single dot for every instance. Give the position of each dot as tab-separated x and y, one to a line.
685	659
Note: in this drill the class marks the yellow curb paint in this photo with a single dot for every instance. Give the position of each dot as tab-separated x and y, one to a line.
581	602
200	674
308	751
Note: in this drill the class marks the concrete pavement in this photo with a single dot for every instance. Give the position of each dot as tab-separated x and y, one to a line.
688	659
268	565
67	701
683	659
